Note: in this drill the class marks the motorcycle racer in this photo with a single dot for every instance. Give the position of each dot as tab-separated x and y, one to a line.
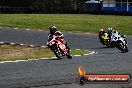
111	31
54	33
101	33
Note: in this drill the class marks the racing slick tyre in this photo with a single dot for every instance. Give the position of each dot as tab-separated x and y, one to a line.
120	46
108	44
58	55
126	48
69	56
57	52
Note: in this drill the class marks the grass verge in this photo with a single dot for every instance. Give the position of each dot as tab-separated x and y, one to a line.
16	52
68	22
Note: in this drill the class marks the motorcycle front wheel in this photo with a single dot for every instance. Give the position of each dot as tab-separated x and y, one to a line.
126	48
69	56
57	52
120	46
58	55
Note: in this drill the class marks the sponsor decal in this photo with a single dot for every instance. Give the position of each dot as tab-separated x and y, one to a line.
83	77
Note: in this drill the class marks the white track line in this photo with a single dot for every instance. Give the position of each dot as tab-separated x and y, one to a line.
28	29
12	43
21	44
43	46
77	55
31	45
16	28
85	54
40	30
20	60
53	57
44	58
78	49
1	42
40	58
92	52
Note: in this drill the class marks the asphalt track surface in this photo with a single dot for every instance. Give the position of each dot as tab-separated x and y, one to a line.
62	73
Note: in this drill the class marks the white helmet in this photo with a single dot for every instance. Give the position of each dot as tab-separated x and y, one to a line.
110	30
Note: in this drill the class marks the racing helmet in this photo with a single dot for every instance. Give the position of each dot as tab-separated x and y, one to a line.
110	30
53	29
114	31
101	29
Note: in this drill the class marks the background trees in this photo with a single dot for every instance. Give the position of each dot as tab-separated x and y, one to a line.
44	6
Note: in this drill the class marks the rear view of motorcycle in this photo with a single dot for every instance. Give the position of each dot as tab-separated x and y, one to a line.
59	48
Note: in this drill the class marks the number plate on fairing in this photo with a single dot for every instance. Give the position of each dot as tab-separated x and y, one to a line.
62	46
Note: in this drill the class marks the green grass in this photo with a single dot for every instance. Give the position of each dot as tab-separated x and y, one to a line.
68	22
16	52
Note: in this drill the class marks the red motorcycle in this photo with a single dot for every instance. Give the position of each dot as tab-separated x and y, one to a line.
59	48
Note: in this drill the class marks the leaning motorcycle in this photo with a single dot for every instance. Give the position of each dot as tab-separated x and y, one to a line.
59	48
104	39
119	41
